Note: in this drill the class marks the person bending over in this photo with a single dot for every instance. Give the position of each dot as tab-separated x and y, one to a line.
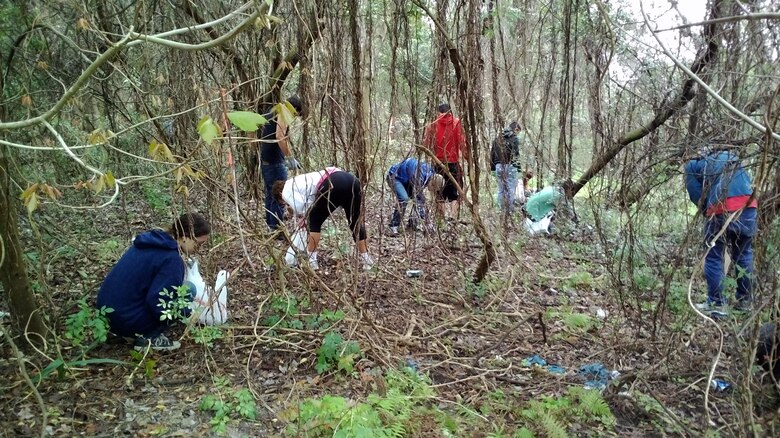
144	280
407	179
314	196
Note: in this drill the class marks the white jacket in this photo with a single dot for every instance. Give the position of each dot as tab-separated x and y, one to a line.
300	192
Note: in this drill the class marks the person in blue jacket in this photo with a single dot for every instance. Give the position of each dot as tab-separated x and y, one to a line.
407	179
719	186
134	288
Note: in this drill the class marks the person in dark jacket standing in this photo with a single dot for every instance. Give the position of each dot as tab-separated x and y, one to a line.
146	276
274	152
504	155
720	188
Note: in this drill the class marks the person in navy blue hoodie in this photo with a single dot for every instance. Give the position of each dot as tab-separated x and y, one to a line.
153	264
719	186
407	179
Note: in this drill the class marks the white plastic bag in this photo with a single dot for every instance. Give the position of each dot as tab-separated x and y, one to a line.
299	240
540	226
209	305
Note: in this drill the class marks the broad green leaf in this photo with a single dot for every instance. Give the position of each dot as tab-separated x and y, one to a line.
99	185
208	130
246	120
285	112
109	179
31	203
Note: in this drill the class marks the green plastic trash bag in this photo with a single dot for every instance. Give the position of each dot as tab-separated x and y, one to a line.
543	202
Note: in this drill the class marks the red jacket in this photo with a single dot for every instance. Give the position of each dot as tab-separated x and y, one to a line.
445	136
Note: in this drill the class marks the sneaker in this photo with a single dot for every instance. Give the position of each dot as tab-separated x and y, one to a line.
367	260
745	305
712	309
158	343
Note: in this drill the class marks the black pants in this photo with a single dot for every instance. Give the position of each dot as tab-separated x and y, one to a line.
341	189
450	191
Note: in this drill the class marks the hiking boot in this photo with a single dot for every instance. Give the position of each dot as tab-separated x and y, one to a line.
392	232
158	343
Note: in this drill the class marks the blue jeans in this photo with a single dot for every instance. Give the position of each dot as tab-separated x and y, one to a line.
507	182
738	239
274	211
403	193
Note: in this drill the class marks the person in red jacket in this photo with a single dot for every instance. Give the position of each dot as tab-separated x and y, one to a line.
446	138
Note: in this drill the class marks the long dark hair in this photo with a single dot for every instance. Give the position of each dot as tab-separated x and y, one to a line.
190	225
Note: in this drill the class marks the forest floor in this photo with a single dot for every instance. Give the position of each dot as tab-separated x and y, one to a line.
550	296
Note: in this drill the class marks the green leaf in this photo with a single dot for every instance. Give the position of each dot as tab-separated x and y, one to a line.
208	130
246	120
31	203
285	112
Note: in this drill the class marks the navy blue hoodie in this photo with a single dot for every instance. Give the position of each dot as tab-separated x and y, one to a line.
133	286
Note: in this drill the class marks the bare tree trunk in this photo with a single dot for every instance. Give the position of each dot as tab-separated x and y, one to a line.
25	312
358	137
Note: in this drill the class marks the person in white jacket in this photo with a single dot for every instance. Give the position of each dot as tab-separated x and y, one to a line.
314	196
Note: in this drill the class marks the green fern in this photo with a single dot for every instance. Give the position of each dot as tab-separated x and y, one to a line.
578	321
551	426
523	432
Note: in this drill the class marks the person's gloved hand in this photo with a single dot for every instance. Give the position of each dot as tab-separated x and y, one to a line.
292	163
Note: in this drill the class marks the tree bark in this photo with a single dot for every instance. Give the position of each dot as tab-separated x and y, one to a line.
25	312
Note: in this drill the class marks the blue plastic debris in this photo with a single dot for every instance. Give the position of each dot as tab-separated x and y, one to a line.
596	375
534	360
720	385
556	369
537	360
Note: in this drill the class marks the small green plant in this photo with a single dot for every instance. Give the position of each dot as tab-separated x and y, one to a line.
156	196
145	362
227	404
285	313
552	416
324	320
175	305
206	335
87	325
387	415
580	280
336	417
335	352
576	322
109	251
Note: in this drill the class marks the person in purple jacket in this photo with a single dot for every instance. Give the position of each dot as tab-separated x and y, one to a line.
134	288
407	179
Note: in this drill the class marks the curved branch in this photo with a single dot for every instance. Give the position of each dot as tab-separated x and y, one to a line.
88	72
212	43
757	16
744	117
